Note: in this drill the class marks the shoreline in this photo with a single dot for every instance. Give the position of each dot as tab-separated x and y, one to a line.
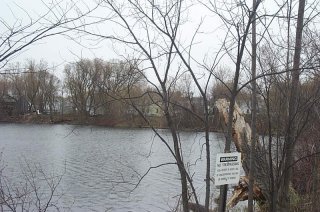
100	122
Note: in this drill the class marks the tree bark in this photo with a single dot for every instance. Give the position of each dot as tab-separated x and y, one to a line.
234	91
290	137
182	171
242	139
253	111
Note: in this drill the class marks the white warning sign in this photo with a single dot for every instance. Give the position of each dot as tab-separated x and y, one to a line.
227	168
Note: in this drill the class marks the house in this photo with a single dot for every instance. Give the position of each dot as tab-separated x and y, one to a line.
154	110
7	106
10	105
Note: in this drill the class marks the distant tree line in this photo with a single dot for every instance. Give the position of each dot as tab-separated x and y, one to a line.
35	89
91	89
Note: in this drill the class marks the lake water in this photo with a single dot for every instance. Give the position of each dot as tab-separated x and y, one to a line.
101	166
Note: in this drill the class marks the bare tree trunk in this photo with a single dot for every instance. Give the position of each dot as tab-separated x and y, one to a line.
224	188
203	93
315	179
207	200
234	92
182	171
179	160
290	137
272	191
253	111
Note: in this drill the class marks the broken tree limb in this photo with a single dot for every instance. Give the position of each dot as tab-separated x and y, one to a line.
241	136
240	192
240	127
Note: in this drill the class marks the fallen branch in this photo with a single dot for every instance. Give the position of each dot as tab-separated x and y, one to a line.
242	139
240	192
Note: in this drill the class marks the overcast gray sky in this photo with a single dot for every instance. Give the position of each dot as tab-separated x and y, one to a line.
59	50
56	50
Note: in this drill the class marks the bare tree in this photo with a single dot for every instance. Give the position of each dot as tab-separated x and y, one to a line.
36	191
241	20
81	82
94	86
291	132
161	52
38	86
253	111
151	31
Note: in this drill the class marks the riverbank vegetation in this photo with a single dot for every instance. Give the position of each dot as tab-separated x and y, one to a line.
266	66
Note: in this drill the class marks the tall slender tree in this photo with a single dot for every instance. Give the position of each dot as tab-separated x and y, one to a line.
253	110
291	132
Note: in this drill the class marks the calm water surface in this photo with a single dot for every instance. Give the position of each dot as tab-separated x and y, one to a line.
101	166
